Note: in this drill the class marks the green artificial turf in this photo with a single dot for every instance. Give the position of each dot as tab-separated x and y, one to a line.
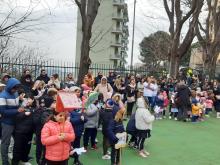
172	143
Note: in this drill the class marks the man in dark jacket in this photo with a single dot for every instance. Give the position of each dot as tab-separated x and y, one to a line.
43	76
9	108
183	101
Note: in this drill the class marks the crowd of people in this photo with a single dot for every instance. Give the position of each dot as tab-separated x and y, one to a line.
28	113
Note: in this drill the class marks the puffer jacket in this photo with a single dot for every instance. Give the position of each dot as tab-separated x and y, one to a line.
9	103
57	150
92	115
143	118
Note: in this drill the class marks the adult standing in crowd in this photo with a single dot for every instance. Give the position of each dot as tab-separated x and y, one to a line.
98	78
54	81
70	82
27	82
9	108
5	77
89	79
130	93
183	100
149	89
111	78
104	88
43	76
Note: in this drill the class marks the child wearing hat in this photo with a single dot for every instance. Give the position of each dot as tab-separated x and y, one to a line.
106	116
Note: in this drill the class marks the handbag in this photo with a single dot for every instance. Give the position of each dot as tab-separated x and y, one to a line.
131	99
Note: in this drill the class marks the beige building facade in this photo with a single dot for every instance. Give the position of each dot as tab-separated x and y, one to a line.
109	42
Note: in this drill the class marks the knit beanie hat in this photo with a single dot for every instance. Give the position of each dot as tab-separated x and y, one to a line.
109	103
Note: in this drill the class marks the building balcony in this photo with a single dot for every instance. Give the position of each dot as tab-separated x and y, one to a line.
115	57
118	17
116	44
117	31
119	3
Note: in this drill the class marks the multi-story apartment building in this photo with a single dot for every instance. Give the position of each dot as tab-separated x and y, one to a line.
109	42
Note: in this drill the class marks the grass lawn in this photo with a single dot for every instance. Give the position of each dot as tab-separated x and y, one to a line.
172	143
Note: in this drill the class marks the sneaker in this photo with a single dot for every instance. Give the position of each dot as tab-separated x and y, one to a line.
25	163
170	117
100	129
142	154
94	147
135	147
106	157
131	144
175	118
86	149
146	153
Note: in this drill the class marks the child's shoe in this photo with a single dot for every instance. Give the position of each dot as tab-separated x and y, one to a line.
142	154
175	118
170	117
94	147
146	153
106	157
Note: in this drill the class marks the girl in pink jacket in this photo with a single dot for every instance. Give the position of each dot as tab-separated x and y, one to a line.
57	135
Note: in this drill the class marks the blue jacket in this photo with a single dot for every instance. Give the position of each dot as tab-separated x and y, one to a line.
131	128
78	124
114	128
9	103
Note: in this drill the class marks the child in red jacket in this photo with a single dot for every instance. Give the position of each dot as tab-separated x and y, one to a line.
57	135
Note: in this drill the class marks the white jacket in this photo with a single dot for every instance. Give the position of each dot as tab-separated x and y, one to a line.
143	118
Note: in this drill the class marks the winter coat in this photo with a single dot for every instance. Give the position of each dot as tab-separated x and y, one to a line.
143	118
105	89
27	86
92	114
40	117
183	95
44	78
9	103
23	123
114	127
105	117
131	128
77	123
57	150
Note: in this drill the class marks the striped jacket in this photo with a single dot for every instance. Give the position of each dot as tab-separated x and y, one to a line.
9	103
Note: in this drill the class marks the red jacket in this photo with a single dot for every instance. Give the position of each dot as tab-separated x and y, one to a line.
57	150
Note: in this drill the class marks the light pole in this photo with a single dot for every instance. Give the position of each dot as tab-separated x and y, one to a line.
132	46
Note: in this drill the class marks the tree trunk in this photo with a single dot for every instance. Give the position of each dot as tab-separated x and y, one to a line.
84	59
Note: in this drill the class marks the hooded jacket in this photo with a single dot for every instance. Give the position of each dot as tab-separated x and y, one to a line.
105	89
143	118
9	102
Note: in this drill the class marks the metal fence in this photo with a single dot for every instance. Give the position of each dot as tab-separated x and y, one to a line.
15	68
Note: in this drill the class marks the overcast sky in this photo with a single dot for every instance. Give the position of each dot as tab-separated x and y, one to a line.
58	28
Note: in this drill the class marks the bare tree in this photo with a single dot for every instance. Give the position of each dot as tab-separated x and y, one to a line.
209	37
175	10
88	10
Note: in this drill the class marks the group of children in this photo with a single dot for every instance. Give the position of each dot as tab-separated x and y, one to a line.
202	103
